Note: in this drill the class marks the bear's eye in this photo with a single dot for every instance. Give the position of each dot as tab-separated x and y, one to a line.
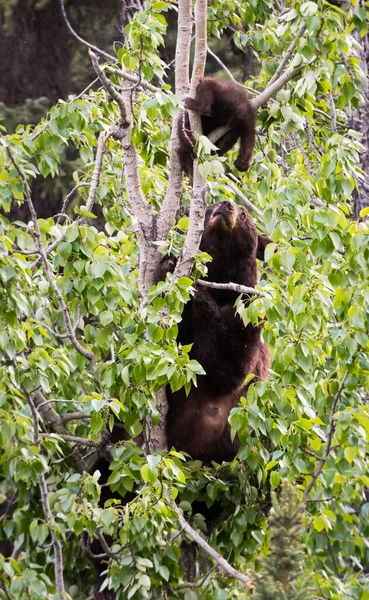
243	216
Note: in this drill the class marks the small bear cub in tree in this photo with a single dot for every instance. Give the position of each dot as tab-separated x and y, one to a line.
226	348
220	103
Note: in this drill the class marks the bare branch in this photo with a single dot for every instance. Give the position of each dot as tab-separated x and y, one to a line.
172	200
131	78
103	137
58	553
110	88
68	197
222	562
288	55
200	188
184	36
245	200
272	89
234	287
245	87
84	42
331	430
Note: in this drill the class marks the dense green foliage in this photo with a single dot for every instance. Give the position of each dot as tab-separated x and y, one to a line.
315	314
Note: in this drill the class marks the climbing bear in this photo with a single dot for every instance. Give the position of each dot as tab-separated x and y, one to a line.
219	103
226	349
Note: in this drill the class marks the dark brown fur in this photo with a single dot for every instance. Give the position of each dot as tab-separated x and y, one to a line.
227	350
219	103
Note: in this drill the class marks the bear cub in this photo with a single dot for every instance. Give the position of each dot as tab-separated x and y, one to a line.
219	103
226	349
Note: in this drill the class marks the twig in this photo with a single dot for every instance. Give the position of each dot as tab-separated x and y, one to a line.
234	287
331	430
222	562
71	438
84	42
288	54
131	78
245	200
58	553
245	87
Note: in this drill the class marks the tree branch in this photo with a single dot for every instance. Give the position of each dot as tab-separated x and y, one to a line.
331	430
68	197
245	200
84	42
288	55
245	87
200	188
222	562
272	89
172	200
110	88
131	78
58	553
234	287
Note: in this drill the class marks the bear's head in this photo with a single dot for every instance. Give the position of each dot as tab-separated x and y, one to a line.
231	239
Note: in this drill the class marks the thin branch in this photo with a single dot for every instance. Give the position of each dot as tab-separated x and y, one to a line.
245	87
131	78
288	54
110	88
234	287
68	197
331	430
84	42
63	307
106	547
71	438
333	111
222	562
245	200
58	553
95	179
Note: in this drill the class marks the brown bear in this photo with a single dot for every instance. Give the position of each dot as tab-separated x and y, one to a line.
219	103
226	349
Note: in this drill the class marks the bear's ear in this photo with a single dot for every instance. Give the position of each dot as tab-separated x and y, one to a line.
262	244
